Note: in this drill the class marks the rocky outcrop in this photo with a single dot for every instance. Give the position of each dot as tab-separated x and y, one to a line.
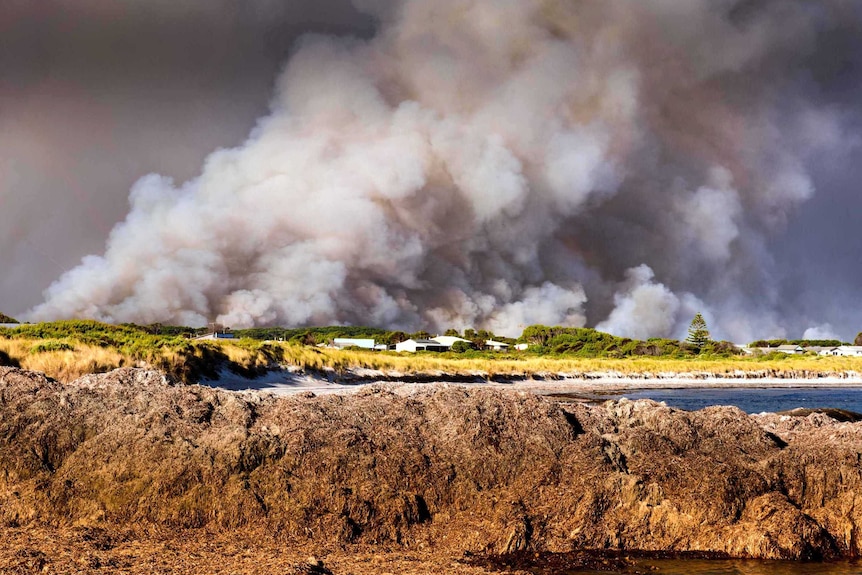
427	467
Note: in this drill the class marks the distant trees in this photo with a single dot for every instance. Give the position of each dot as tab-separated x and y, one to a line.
858	340
6	319
817	342
765	343
698	333
394	337
537	334
461	346
768	343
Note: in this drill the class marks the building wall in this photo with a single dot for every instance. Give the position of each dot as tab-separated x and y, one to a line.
408	346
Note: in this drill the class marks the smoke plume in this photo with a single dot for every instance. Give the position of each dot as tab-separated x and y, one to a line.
492	163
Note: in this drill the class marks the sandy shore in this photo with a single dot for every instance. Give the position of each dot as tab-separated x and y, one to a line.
290	382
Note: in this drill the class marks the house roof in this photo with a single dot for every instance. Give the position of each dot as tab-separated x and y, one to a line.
447	340
496	343
217	336
353	342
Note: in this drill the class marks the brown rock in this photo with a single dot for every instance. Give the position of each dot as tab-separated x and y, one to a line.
437	467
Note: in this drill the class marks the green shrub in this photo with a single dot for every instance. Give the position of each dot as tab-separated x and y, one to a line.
461	346
51	345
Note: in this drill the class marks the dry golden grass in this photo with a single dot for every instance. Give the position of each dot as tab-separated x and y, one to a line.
250	357
64	365
316	358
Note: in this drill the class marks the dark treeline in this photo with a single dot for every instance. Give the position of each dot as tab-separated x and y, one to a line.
800	342
587	342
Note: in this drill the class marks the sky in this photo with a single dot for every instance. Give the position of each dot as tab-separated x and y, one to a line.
423	165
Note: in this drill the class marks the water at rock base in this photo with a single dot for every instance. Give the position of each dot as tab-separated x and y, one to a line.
733	567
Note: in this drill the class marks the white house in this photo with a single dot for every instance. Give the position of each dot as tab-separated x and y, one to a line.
848	351
522	346
344	342
791	349
414	345
496	345
216	335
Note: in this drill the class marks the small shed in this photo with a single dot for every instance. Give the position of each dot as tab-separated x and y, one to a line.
790	349
496	345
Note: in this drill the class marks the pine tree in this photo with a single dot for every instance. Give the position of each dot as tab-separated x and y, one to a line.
698	334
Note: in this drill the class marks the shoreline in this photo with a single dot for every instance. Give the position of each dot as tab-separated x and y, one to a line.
286	382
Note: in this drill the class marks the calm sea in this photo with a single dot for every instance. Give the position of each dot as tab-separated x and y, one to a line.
750	400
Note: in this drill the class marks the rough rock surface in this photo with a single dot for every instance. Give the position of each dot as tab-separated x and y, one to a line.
439	468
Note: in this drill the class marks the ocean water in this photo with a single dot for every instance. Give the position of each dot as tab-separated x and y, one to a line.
750	400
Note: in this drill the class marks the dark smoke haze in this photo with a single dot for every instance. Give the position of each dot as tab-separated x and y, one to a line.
445	163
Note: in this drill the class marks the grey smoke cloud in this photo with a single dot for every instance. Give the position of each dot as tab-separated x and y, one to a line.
95	94
496	164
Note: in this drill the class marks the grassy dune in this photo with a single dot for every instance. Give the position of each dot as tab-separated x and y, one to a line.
526	363
68	355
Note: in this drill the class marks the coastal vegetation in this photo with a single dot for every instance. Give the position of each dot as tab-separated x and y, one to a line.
698	334
67	350
6	319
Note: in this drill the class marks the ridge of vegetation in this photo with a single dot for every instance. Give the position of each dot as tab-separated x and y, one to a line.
6	319
65	350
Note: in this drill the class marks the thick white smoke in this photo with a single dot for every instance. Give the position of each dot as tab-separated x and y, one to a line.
643	308
482	163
